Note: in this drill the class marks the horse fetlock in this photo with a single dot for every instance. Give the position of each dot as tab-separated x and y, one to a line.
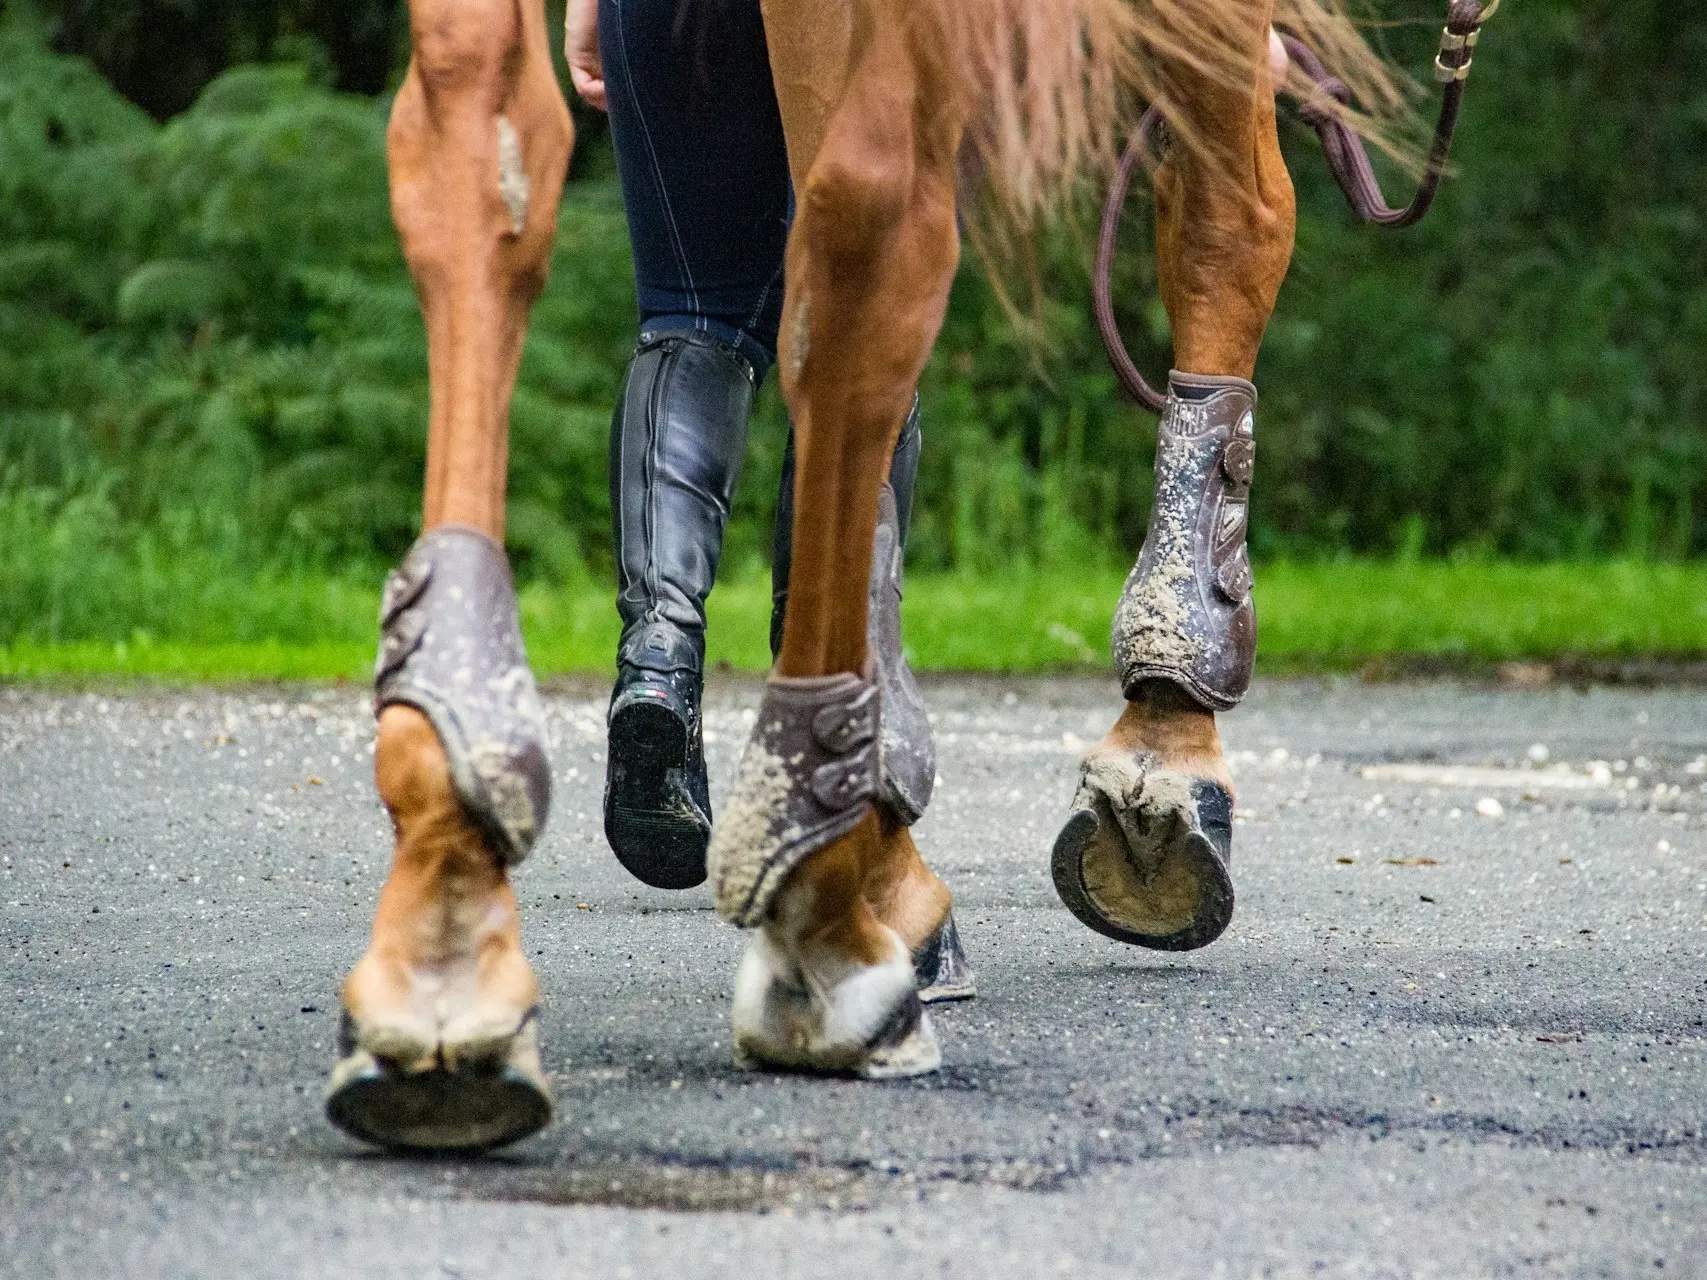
442	856
433	989
806	1004
904	893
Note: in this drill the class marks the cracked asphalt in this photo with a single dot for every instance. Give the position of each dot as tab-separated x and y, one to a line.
1458	1026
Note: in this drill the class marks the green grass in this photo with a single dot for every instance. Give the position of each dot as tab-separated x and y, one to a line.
1327	616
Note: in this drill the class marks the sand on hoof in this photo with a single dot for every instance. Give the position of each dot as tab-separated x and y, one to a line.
1133	866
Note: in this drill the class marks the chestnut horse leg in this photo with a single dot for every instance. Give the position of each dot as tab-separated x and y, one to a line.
479	144
811	56
827	982
1144	856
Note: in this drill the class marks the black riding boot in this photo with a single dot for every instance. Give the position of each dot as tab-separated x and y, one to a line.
677	439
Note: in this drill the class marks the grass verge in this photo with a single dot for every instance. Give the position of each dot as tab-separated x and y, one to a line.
1313	617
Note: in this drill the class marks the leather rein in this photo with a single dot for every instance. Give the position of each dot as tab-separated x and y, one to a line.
1347	158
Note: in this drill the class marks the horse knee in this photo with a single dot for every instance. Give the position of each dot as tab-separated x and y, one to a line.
857	192
462	45
479	125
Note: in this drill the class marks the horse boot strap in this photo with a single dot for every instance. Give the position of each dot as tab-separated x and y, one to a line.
907	767
908	761
1186	614
808	775
451	647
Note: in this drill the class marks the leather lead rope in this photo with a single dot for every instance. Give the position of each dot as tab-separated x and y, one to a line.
1344	151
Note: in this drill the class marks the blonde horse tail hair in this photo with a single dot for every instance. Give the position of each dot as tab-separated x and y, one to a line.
1050	87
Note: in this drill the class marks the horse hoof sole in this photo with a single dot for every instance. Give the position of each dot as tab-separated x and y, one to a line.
472	1109
1174	893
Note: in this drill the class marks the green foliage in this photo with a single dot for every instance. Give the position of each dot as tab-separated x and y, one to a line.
162	53
1526	372
212	367
209	345
1326	615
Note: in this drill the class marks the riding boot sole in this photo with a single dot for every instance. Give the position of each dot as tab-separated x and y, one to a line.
1149	869
657	830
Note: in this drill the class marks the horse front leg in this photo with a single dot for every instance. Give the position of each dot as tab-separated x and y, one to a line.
439	1046
1145	855
809	851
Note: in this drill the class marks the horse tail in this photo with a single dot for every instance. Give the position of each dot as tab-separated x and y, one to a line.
1051	86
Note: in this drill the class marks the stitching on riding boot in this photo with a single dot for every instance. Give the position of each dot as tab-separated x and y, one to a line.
657	420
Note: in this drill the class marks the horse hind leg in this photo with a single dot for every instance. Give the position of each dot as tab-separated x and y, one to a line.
439	1049
802	852
1145	855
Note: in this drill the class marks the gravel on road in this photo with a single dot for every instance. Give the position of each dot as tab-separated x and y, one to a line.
1458	1026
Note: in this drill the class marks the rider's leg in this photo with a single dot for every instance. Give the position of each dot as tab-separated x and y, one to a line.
1144	857
704	170
826	984
439	1042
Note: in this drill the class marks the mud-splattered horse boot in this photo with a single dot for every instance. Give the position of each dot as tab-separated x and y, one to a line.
1145	854
445	1073
907	765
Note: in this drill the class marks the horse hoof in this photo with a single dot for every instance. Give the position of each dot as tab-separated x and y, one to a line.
867	1021
941	969
914	1053
1144	856
485	1100
911	1051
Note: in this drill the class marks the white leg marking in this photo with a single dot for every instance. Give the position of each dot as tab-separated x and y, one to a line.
512	175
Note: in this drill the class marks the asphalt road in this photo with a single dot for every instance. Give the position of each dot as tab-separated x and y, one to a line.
1436	1041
